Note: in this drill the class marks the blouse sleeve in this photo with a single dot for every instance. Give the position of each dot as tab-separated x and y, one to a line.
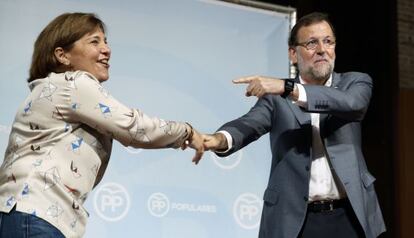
90	103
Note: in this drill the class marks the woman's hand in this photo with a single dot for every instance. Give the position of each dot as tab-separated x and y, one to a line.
195	141
197	144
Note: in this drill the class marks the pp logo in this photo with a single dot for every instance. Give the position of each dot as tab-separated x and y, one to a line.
247	210
228	162
111	202
158	204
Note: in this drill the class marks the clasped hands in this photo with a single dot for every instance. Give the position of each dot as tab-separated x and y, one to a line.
204	142
257	86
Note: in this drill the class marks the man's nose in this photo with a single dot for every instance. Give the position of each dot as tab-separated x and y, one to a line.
321	47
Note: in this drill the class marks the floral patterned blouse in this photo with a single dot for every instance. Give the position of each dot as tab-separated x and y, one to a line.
60	144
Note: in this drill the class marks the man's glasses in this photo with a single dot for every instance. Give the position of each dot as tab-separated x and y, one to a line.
312	44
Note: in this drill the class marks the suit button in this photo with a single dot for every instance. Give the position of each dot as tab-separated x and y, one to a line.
305	198
307	168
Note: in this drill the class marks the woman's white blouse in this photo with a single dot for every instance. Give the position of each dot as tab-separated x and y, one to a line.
60	144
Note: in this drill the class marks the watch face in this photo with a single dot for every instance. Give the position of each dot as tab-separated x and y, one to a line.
289	86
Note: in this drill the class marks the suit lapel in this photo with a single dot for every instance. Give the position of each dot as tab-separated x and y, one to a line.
323	117
335	80
301	116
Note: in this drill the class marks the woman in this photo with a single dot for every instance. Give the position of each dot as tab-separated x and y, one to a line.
61	138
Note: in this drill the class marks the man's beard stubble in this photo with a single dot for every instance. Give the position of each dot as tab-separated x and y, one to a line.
317	75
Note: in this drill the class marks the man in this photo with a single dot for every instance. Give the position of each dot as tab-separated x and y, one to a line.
319	185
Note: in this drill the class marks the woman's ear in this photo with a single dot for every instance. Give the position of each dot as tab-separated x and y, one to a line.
61	56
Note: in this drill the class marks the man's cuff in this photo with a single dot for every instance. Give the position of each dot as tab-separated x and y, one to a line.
229	139
302	99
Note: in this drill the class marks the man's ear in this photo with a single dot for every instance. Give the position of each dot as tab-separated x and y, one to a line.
61	56
293	55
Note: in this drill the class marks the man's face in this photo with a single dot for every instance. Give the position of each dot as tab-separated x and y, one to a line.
315	65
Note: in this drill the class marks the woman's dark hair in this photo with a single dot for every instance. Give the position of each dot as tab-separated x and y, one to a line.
63	32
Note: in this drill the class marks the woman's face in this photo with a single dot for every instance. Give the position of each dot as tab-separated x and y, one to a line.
91	53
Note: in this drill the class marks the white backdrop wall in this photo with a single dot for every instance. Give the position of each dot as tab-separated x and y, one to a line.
175	60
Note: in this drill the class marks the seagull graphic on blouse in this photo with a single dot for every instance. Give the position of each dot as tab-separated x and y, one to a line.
11	201
138	134
73	224
27	109
37	162
69	76
50	177
104	92
11	178
54	211
25	191
35	148
71	81
74	170
33	126
48	91
68	127
75	205
33	212
129	114
57	114
166	126
75	106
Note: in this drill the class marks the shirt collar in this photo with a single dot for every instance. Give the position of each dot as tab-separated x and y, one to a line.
328	82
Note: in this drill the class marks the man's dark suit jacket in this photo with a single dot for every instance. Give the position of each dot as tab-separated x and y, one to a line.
342	108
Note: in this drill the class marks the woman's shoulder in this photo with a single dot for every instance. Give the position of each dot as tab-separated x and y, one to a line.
79	75
73	79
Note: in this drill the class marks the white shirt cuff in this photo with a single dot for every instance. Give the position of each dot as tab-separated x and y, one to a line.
229	139
302	99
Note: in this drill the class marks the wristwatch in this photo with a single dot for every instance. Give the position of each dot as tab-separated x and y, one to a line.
289	86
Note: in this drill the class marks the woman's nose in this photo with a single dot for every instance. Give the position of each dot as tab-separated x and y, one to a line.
105	49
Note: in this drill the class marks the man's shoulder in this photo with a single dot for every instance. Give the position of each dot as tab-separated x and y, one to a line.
351	74
351	77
